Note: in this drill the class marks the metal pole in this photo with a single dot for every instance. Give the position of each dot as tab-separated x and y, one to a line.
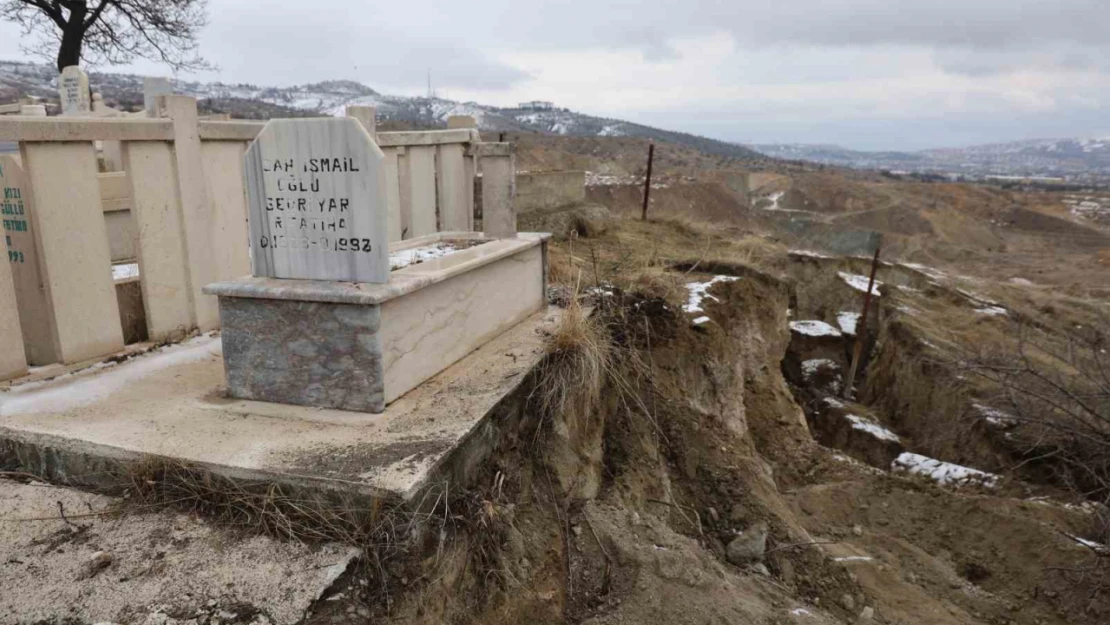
861	326
647	182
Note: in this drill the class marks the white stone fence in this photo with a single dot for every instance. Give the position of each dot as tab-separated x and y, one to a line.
182	198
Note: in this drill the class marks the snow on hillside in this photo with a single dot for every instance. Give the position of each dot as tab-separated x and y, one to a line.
1037	159
18	79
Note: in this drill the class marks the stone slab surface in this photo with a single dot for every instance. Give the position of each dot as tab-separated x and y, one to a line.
171	402
303	353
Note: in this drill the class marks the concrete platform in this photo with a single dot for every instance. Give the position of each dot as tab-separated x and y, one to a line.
172	402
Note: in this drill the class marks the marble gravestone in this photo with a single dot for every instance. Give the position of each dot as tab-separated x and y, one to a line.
152	88
73	90
323	322
316	202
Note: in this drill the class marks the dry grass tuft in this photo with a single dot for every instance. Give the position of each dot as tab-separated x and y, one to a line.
396	541
579	361
270	509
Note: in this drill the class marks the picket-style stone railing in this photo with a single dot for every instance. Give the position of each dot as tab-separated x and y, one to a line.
179	209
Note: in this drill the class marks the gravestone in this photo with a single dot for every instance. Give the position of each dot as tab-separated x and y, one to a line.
73	90
19	252
316	202
153	87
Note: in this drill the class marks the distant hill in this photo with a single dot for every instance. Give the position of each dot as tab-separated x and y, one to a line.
331	97
1076	159
1070	158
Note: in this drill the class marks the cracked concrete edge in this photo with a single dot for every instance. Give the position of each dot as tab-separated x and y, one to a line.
488	434
103	468
61	460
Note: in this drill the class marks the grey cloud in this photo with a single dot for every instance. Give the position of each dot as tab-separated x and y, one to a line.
280	48
399	41
1002	28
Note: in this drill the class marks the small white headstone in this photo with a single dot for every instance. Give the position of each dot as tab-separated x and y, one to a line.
73	90
316	197
154	86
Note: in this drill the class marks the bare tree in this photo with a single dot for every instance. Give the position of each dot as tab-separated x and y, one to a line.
1051	397
1058	392
112	32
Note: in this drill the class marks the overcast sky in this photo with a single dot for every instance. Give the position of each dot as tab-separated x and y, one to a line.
866	74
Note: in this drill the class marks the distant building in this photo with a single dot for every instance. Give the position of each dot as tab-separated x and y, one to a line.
537	105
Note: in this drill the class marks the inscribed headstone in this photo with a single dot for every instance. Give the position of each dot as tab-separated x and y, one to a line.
19	251
316	198
73	90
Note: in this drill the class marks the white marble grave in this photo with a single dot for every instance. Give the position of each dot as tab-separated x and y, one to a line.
317	206
154	86
73	90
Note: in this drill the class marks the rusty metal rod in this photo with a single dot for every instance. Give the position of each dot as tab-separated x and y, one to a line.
861	326
647	182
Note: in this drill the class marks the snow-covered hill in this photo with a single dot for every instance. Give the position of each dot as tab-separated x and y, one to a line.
332	97
1069	158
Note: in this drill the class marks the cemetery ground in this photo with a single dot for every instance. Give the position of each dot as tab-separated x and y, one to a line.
666	466
655	445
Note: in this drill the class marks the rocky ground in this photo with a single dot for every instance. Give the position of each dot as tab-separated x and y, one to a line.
68	556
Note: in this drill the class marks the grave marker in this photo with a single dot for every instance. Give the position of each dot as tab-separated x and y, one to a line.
316	201
73	90
154	86
20	253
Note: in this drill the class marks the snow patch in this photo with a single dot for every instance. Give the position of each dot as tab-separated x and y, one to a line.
808	254
859	282
847	321
403	258
810	367
933	273
853	559
125	272
813	327
994	416
605	290
991	311
945	473
1090	544
699	291
874	429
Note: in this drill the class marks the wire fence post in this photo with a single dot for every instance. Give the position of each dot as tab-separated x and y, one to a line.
647	182
861	325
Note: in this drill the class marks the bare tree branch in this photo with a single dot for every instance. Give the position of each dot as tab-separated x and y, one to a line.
112	32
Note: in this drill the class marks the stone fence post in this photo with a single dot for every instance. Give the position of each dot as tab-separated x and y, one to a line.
365	116
498	188
196	211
